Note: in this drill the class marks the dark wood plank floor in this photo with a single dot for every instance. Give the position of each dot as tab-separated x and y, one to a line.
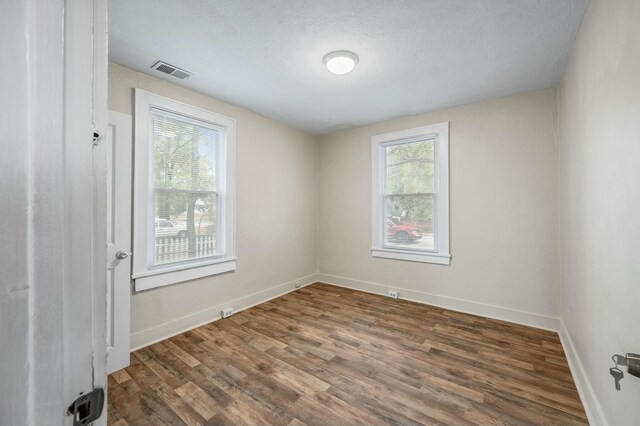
325	355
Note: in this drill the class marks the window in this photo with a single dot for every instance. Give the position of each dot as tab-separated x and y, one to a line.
183	192
410	170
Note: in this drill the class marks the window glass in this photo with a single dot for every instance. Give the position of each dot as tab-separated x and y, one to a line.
409	195
185	203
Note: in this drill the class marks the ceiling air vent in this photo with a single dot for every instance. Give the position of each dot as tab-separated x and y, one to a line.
163	67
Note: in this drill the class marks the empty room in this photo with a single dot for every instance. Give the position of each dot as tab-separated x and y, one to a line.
278	212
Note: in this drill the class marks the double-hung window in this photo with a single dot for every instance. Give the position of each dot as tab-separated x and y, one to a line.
183	192
410	212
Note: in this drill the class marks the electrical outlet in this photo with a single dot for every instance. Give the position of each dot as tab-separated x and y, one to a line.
227	312
297	284
393	294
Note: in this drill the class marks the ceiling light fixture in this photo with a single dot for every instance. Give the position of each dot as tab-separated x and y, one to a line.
340	62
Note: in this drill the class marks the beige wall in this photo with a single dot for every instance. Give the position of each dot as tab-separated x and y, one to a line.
503	211
599	158
503	226
275	214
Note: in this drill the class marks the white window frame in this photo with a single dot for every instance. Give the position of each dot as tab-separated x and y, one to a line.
146	278
440	134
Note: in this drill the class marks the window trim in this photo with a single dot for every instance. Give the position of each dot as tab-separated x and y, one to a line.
146	277
440	134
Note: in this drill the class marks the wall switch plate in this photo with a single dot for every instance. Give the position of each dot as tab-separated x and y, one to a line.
393	294
227	312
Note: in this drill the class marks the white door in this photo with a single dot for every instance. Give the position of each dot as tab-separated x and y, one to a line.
118	240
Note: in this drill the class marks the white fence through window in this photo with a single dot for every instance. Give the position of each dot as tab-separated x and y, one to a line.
175	249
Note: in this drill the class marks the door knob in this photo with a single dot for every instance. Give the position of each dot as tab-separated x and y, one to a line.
121	254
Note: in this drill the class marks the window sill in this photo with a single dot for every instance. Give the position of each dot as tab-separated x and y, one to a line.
412	256
175	274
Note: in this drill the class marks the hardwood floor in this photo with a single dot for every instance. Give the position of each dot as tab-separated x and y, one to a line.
325	355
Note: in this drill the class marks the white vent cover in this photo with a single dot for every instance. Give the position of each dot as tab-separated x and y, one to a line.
165	68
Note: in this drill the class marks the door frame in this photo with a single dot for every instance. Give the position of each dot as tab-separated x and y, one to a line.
85	196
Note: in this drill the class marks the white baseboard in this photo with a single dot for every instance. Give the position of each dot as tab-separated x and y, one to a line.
455	304
595	415
163	331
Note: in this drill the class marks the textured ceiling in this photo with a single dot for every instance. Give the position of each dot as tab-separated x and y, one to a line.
415	55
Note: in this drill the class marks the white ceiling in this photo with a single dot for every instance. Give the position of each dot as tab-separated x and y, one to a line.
415	55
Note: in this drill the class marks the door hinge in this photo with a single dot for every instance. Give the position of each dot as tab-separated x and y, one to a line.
87	408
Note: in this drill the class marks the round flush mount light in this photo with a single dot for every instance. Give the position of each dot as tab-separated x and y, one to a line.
340	62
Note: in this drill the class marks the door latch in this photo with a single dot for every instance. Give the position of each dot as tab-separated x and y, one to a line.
96	137
87	408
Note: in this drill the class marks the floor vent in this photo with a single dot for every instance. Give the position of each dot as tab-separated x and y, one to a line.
165	68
